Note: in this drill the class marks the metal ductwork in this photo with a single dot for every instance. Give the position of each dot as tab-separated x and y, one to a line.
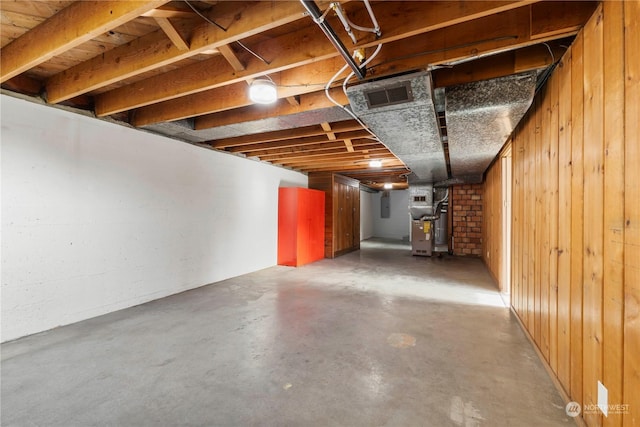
400	111
480	118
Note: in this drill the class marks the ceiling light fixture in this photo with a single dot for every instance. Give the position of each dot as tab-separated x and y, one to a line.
388	186
263	91
375	163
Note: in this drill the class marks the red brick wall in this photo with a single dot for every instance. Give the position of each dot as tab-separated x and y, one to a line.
466	206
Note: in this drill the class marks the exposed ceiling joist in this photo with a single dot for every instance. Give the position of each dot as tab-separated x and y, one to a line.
340	127
505	31
302	47
307	102
151	52
297	141
55	35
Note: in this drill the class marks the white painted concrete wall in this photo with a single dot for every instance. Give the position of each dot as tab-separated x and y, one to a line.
97	217
366	215
397	226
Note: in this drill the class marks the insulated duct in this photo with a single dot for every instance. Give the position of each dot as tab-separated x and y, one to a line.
400	111
480	118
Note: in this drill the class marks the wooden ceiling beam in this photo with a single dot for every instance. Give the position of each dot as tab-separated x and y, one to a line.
169	12
152	51
369	174
302	47
298	133
24	84
293	142
333	158
319	147
327	154
307	102
504	31
340	167
499	65
55	36
310	152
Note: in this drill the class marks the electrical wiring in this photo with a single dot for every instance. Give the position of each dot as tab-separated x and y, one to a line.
364	64
214	23
351	113
204	16
376	30
376	27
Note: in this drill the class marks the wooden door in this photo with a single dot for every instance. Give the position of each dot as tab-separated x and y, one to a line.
356	216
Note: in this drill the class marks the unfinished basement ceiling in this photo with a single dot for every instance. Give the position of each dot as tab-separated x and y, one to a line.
160	67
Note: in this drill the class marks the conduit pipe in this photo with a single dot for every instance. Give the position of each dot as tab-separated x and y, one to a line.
344	20
317	17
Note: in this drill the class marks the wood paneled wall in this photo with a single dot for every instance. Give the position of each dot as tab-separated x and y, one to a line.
342	212
575	269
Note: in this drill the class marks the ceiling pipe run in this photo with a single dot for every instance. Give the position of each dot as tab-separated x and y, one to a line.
318	18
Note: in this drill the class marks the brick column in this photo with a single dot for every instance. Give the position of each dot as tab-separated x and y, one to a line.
466	205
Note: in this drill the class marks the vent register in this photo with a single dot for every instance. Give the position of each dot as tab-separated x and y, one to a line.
397	94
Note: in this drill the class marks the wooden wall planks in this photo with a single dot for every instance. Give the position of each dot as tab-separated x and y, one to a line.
577	208
593	152
631	256
613	133
575	252
564	223
492	224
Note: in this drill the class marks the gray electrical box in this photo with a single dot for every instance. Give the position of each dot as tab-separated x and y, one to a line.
385	205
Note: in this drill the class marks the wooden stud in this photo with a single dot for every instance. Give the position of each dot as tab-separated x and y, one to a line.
327	128
169	12
231	57
348	145
172	33
294	101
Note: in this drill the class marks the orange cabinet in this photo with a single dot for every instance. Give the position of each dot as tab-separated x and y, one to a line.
300	226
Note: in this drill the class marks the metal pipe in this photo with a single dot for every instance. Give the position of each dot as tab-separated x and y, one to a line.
315	13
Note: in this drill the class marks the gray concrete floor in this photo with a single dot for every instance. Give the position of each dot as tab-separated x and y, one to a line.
376	337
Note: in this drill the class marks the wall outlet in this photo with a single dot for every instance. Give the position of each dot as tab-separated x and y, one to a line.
603	398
